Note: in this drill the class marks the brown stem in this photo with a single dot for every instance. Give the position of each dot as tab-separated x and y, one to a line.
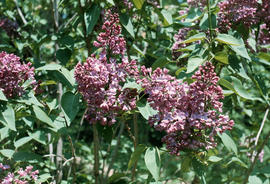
74	160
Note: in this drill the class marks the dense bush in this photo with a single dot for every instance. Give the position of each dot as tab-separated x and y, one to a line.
134	91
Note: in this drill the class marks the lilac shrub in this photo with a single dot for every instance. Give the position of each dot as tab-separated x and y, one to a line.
22	176
189	114
13	74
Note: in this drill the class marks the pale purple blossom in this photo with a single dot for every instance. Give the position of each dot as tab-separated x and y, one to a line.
13	74
191	115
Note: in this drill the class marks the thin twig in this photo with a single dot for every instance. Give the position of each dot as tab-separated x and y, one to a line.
74	161
257	155
20	13
53	155
68	160
261	127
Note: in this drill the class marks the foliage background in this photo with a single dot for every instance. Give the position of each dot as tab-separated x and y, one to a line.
55	35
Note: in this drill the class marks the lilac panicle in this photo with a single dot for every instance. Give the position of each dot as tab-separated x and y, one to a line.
236	12
191	115
13	74
100	80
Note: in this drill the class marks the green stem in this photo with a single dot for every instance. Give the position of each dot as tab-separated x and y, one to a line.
96	154
210	24
135	123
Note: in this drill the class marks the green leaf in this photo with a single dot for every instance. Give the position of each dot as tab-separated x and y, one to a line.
264	56
167	17
7	117
63	55
226	84
43	178
204	23
186	163
116	177
237	160
145	109
241	91
228	142
52	66
180	70
193	63
29	99
2	96
136	155
7	153
70	106
20	142
160	62
214	159
132	84
199	169
241	49
138	3
254	180
199	36
39	136
91	17
126	22
26	156
42	116
222	57
152	162
228	39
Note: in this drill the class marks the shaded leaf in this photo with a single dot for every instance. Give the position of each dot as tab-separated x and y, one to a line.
70	106
7	117
138	3
136	155
91	17
126	22
160	62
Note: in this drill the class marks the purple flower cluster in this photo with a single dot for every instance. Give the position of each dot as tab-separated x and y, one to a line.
111	42
101	85
101	80
264	35
189	114
22	176
237	12
179	37
13	74
128	4
9	27
197	3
